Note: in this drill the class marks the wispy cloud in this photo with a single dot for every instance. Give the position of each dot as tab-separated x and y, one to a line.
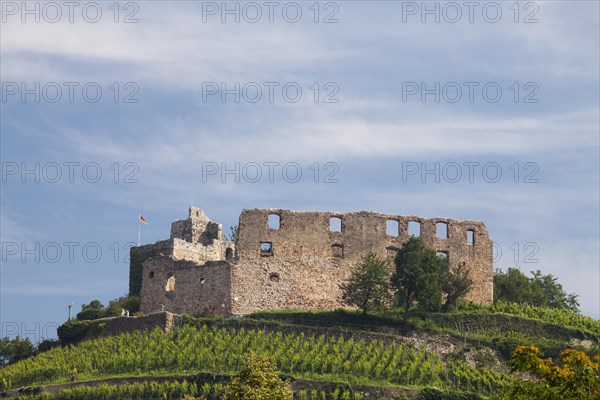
369	53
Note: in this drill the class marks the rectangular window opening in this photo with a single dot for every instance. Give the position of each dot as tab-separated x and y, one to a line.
414	228
470	237
335	224
274	221
392	227
441	230
266	249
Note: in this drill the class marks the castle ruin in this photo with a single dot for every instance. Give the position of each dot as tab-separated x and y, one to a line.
289	259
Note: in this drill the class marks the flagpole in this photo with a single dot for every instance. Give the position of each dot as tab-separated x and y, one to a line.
139	228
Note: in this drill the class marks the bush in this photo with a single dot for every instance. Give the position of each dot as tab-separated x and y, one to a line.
31	390
130	303
258	379
74	331
94	310
13	350
436	394
47	344
417	276
575	377
539	290
369	285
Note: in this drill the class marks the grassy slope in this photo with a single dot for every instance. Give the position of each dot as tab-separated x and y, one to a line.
501	328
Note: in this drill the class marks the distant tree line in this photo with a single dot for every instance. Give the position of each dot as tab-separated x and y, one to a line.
17	348
13	350
95	309
538	290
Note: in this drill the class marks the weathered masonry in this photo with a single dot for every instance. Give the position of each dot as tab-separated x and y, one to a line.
289	259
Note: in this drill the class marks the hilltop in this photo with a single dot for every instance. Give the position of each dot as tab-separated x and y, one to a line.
326	355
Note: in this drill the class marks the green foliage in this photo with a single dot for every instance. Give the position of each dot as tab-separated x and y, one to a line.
94	310
135	274
13	350
74	331
47	344
137	390
436	394
131	303
558	316
189	390
501	327
456	283
30	390
368	288
135	271
576	377
233	233
539	290
258	379
417	277
335	347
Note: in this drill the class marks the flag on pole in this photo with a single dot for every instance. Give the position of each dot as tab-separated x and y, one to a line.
140	222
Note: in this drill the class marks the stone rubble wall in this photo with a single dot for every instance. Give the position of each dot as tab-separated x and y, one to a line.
197	289
303	272
304	266
198	228
199	253
166	321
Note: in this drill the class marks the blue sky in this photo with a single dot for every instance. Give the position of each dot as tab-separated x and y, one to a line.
366	127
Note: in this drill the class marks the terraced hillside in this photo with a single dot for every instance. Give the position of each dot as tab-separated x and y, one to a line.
326	355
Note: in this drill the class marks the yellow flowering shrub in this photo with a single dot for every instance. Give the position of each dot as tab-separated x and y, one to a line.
576	376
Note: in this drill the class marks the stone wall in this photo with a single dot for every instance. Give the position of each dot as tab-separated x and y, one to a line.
137	256
163	320
197	228
297	263
307	261
185	287
200	253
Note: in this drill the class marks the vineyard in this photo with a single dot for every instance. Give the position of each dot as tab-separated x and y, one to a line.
569	320
556	316
189	350
337	351
502	327
173	390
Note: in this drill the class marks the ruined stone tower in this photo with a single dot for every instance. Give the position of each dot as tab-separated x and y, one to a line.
289	259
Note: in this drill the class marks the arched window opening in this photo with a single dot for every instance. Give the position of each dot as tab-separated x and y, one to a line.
391	253
337	251
170	286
